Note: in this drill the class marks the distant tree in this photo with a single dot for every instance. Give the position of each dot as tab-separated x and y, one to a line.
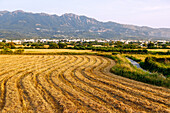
10	45
53	46
145	45
62	45
19	51
2	44
106	44
151	45
164	46
85	44
7	51
129	46
118	44
4	41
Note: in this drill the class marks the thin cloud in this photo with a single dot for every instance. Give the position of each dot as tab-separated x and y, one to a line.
155	8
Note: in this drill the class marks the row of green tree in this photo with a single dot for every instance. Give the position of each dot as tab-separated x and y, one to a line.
52	45
111	49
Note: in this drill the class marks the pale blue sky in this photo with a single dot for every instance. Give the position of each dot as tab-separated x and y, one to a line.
153	13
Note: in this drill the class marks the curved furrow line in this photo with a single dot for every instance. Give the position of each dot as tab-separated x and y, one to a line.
137	86
9	86
70	94
11	63
38	104
96	84
64	92
139	93
73	83
63	59
119	87
8	90
25	63
86	76
27	104
5	83
79	76
4	91
130	100
28	92
110	79
60	94
9	59
94	92
41	88
65	76
17	65
42	79
21	66
113	100
156	100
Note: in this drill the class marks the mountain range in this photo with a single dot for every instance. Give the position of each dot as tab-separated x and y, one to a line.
19	24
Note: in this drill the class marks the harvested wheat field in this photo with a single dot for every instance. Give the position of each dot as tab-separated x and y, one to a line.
74	84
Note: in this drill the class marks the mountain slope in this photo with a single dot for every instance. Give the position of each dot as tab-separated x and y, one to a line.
71	25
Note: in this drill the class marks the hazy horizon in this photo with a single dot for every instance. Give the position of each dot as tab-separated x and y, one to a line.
151	13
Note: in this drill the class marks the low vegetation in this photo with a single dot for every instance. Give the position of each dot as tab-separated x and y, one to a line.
125	69
161	65
134	58
10	51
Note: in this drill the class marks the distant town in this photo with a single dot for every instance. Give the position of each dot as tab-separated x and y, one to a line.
83	40
82	44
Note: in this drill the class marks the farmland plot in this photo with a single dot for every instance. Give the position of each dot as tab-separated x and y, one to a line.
73	83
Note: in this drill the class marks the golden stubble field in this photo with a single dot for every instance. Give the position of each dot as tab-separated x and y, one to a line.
73	83
55	51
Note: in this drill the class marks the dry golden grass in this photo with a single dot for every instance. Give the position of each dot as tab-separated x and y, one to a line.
158	50
142	57
53	50
73	83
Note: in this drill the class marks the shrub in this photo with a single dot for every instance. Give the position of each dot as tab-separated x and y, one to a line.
6	51
19	51
115	53
152	64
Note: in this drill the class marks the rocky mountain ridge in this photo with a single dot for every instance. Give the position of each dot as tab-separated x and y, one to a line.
27	24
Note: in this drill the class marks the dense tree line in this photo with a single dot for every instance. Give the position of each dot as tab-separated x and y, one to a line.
52	45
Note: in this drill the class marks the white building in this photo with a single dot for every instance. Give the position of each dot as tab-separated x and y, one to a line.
47	40
74	40
16	41
7	41
28	40
101	41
